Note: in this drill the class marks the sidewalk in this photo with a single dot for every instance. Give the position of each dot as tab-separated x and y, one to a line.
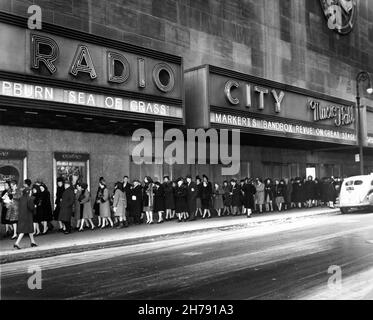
57	243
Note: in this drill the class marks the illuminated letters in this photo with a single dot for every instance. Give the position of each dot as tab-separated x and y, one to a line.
262	92
47	58
227	90
112	59
83	62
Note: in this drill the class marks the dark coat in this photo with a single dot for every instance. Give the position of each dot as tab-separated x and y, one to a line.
206	195
136	200
67	205
46	206
309	190
127	190
158	204
269	192
181	199
59	193
249	191
236	195
192	197
297	195
26	213
227	198
169	197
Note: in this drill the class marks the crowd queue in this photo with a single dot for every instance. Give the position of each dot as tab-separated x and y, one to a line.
27	209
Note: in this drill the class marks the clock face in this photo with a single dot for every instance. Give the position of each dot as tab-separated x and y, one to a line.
340	14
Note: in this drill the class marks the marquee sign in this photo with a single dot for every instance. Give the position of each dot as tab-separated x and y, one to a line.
89	99
130	69
217	96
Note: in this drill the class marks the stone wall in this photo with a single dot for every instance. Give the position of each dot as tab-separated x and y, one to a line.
283	40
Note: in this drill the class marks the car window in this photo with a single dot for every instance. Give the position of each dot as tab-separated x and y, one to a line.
349	183
358	182
371	183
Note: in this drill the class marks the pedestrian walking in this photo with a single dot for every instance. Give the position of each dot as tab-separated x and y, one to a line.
192	193
169	197
104	202
159	201
249	192
206	196
259	195
25	224
181	206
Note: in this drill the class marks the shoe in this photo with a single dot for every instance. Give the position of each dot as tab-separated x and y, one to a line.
66	232
45	232
14	237
33	245
16	246
80	230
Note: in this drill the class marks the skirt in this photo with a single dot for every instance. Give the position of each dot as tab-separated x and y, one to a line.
280	200
198	203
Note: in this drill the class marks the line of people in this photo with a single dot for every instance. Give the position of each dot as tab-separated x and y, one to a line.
28	210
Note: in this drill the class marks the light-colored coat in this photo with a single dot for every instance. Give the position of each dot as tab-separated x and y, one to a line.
105	206
120	203
87	205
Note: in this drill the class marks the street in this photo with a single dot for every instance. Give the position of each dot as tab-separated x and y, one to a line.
289	260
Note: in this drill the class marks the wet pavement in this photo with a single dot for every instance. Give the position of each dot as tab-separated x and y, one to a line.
294	260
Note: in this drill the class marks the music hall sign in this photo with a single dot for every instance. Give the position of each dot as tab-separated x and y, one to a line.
115	76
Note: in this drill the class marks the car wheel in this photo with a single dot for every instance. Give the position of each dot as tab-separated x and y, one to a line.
344	210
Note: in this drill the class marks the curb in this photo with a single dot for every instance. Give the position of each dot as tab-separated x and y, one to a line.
127	242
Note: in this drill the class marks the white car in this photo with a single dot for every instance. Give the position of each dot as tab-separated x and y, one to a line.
356	192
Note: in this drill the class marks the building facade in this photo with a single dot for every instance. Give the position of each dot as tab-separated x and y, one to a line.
73	92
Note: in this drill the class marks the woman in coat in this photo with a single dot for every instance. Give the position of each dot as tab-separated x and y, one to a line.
298	192
206	196
59	192
227	199
148	200
199	196
25	223
288	194
268	194
46	207
159	206
104	202
78	214
67	206
236	196
119	204
280	192
259	195
136	201
14	195
4	203
217	197
36	195
169	197
248	191
181	205
309	191
85	203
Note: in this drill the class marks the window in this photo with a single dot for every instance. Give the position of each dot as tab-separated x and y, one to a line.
358	182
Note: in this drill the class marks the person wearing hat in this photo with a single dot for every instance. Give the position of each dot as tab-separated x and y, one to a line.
191	197
46	207
25	218
136	201
159	206
248	191
169	197
119	204
181	206
67	204
104	203
236	196
227	198
85	203
148	199
206	196
198	196
57	203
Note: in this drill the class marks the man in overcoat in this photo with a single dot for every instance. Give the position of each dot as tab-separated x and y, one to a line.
67	206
